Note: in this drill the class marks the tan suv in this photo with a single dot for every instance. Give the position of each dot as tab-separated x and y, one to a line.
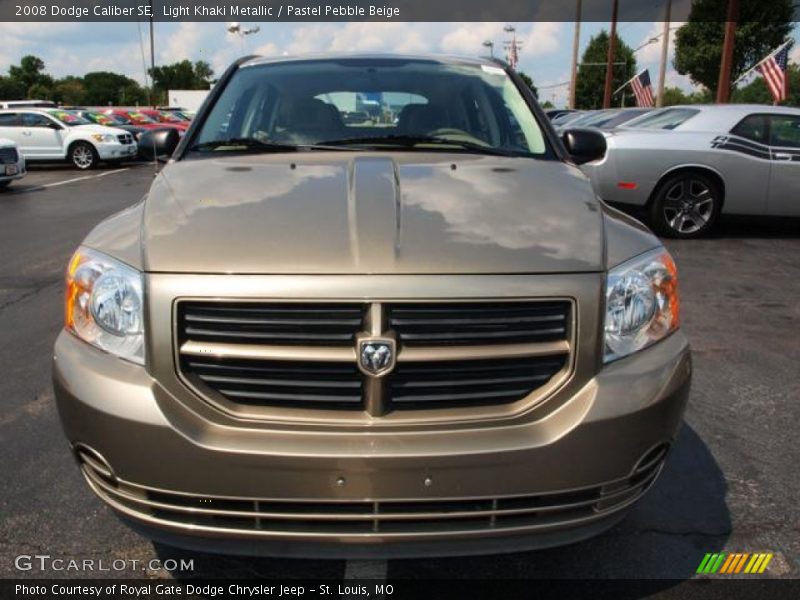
416	334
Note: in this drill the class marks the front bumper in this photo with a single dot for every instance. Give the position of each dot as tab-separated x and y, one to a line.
187	481
17	168
116	151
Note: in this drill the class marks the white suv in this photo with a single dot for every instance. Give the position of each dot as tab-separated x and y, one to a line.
54	134
12	164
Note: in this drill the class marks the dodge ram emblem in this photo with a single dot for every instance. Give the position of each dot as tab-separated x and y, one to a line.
376	357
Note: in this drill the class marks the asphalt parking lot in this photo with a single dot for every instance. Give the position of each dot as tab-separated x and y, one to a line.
731	483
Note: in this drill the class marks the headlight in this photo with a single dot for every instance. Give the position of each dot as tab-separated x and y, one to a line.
642	304
104	304
106	138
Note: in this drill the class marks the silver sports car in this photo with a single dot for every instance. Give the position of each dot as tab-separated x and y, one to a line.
688	164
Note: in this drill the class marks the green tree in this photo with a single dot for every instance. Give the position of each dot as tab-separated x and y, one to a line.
69	90
10	89
182	76
762	27
756	92
592	71
104	88
30	73
547	104
39	91
528	81
674	95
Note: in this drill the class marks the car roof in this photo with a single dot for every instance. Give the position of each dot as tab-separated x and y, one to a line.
334	57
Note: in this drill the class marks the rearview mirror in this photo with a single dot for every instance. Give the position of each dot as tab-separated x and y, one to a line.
584	145
158	143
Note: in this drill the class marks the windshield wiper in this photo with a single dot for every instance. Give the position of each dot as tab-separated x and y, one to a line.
411	141
246	143
256	145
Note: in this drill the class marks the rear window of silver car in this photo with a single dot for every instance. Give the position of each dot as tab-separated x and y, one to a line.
669	118
318	101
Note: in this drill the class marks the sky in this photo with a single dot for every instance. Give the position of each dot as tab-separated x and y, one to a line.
75	48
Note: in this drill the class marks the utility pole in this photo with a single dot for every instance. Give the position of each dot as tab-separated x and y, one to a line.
612	51
724	84
664	53
575	45
152	54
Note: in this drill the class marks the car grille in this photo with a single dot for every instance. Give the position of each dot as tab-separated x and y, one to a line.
479	323
8	156
304	355
125	139
381	517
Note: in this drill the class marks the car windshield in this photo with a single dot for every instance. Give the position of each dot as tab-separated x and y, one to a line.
100	118
669	118
68	118
365	104
138	118
168	117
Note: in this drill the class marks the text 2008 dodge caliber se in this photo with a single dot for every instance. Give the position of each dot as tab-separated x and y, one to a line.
371	308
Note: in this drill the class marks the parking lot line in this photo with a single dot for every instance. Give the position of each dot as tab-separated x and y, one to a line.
66	181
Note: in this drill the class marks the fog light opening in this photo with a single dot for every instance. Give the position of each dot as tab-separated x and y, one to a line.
90	458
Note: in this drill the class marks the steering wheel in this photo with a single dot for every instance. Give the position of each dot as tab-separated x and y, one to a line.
457	135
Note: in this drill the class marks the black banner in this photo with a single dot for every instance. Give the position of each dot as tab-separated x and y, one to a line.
403	589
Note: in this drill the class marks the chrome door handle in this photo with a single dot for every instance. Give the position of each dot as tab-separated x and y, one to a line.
783	156
26	133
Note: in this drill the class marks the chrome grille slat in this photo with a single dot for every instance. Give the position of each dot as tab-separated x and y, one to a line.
479	323
8	156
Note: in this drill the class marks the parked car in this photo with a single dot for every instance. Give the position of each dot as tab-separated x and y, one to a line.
6	104
372	339
12	163
554	113
166	118
112	121
606	119
566	118
139	119
53	134
686	165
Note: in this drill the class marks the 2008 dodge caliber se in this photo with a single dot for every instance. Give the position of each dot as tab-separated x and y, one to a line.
371	307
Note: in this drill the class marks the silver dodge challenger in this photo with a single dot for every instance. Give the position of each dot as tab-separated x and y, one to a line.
688	164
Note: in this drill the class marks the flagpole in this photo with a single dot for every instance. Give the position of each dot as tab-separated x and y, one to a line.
763	60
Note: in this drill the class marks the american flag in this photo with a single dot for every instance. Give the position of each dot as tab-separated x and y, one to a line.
773	68
643	89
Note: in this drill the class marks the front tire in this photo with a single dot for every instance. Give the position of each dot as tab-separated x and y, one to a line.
686	205
83	156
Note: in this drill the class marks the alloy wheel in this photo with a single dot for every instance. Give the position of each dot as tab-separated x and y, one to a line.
688	205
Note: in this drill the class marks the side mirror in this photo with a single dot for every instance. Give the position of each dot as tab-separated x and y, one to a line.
584	145
55	126
158	143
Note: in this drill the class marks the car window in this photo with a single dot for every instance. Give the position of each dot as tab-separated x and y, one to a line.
9	120
68	118
325	101
785	131
752	127
35	120
669	118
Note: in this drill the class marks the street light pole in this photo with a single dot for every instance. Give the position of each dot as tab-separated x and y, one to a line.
612	50
724	84
152	54
575	46
490	45
664	54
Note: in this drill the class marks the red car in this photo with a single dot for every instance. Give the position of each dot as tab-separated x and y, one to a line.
138	117
165	118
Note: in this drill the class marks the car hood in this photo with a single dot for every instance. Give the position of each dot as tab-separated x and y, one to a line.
6	142
93	128
349	213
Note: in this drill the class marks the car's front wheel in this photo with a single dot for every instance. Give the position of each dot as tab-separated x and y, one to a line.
686	205
83	156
